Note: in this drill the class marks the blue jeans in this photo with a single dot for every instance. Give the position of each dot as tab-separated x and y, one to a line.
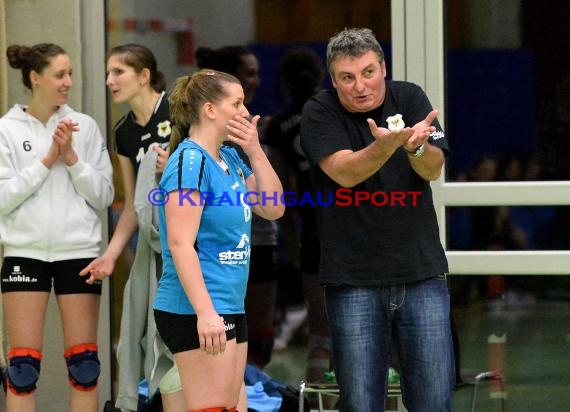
363	320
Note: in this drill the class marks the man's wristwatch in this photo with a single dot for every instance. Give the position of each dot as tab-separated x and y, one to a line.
418	152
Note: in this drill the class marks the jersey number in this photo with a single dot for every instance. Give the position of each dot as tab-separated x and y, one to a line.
246	208
26	145
140	154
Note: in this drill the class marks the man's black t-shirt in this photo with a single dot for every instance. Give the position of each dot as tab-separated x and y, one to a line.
393	237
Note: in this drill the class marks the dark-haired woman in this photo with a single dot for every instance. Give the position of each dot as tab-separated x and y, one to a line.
133	78
55	179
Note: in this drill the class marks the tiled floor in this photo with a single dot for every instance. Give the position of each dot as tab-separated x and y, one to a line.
526	337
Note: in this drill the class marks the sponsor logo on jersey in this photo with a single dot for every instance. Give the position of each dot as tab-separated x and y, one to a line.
240	174
145	136
238	256
243	241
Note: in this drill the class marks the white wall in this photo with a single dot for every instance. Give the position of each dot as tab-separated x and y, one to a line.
27	23
215	23
3	66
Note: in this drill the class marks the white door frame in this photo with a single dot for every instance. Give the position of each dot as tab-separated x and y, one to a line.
418	48
94	102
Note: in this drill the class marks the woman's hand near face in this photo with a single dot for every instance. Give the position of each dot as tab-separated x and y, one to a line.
244	133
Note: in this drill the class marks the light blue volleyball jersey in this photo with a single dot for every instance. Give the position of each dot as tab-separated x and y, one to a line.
222	242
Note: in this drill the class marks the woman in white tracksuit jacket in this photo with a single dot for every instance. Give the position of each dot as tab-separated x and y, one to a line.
55	179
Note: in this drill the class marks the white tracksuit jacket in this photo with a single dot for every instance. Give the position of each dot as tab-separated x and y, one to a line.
51	214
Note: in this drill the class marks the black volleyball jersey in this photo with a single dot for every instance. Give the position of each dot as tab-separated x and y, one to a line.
134	140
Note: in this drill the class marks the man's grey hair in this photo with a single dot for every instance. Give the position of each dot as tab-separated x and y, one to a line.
352	43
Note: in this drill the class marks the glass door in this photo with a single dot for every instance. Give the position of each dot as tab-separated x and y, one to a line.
503	204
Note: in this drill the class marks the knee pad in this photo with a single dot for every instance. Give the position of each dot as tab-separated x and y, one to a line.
83	366
23	370
170	382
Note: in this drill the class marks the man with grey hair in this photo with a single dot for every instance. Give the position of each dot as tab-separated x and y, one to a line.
382	263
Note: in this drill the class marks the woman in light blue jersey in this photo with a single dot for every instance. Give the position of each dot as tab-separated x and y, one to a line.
205	227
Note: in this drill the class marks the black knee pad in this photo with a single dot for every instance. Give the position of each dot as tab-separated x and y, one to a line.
83	366
23	370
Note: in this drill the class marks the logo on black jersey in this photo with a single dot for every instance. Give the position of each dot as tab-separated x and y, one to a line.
164	128
437	135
